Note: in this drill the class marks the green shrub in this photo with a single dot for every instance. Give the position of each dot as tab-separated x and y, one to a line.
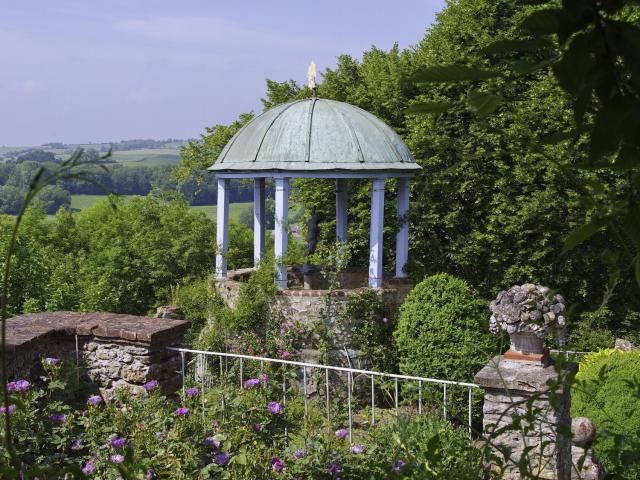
590	333
607	392
195	299
443	330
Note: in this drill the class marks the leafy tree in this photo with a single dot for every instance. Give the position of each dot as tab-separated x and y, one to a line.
10	199
53	197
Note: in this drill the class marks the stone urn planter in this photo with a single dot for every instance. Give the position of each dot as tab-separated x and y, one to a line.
528	313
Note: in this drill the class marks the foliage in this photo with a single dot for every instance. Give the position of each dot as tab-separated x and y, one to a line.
150	436
372	321
591	50
590	333
607	394
195	300
443	330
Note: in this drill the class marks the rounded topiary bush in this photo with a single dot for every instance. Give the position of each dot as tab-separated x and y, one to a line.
443	330
608	393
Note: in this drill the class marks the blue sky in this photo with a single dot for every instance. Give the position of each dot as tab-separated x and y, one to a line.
83	70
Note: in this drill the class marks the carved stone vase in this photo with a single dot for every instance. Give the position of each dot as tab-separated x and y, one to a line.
527	343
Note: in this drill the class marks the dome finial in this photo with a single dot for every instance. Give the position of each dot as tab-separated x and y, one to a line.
311	78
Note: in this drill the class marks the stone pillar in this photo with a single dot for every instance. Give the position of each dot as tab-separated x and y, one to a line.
258	220
402	236
341	210
377	225
281	230
509	387
222	226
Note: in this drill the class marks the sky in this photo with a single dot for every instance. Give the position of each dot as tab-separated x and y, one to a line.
78	71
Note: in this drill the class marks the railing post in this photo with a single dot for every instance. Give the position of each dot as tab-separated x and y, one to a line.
373	402
183	370
349	380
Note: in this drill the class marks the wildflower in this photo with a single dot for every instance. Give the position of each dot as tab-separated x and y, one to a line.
191	392
357	449
10	409
18	386
214	424
160	436
257	427
117	458
89	467
118	442
94	400
276	464
341	434
275	408
385	320
335	468
212	442
182	411
263	377
150	385
299	454
58	418
284	354
252	383
76	444
150	474
399	465
51	361
221	458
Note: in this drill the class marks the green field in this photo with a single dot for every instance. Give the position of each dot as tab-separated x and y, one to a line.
81	202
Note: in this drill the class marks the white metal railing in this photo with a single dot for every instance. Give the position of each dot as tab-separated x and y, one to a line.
566	353
202	365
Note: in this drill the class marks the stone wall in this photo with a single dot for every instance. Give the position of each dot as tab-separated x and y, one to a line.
518	390
112	350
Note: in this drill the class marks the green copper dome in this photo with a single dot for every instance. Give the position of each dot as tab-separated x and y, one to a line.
315	135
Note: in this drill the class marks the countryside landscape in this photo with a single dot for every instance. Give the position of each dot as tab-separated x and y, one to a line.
362	240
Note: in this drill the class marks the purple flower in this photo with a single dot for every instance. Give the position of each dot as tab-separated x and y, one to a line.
214	424
221	458
385	320
149	475
212	442
335	468
150	385
276	464
257	427
94	400
252	383
117	458
399	465
89	467
10	409
118	442
58	418
263	377
51	361
181	412
76	444
341	434
191	392
299	454
357	449
160	436
18	386
275	408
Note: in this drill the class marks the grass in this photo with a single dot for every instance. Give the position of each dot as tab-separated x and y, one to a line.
82	202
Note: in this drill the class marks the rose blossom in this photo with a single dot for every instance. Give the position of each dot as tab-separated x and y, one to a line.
275	408
398	465
191	392
276	464
10	409
150	385
341	434
357	449
252	383
118	442
212	442
335	468
221	458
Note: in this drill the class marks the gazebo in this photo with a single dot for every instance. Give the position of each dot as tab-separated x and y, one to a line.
315	138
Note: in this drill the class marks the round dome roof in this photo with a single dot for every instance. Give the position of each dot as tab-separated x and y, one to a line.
315	135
